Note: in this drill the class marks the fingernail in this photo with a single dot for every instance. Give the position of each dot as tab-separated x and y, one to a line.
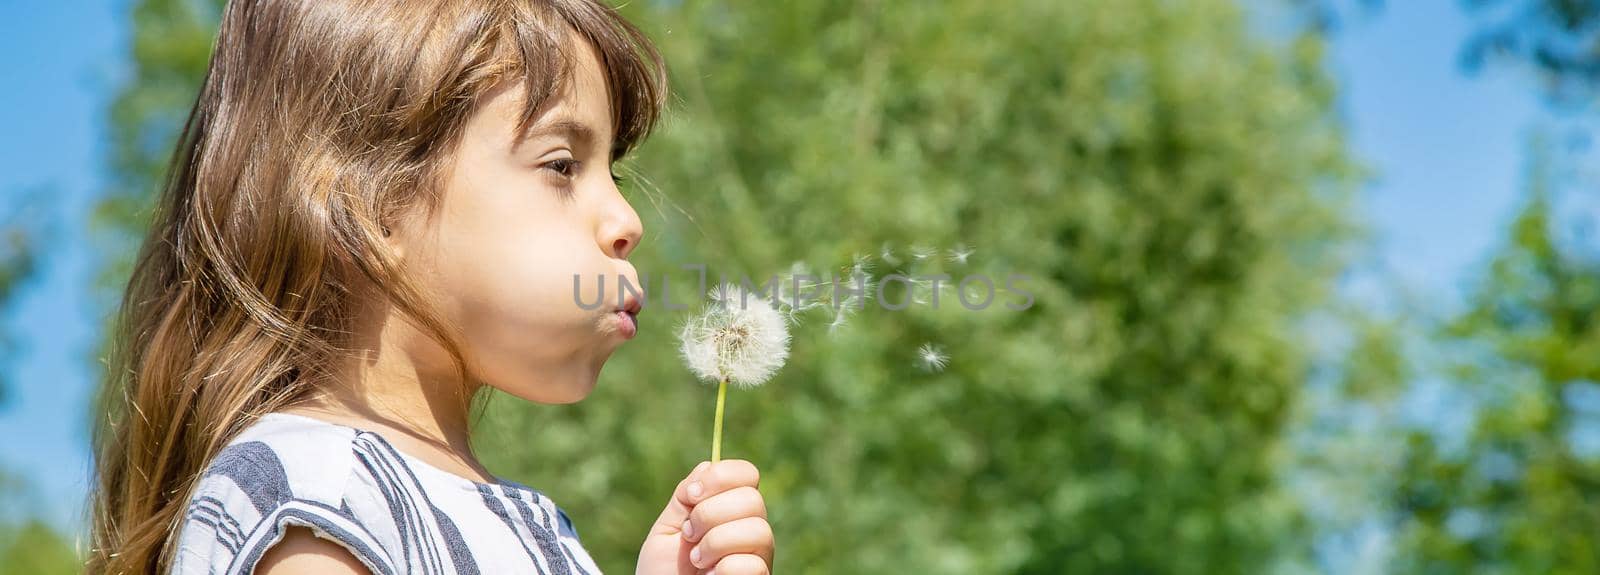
695	489
694	555
688	529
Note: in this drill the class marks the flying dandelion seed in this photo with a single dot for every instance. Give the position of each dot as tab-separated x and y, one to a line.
860	283
839	316
856	296
861	264
931	358
793	313
960	253
739	338
922	252
923	289
848	298
916	291
887	255
795	297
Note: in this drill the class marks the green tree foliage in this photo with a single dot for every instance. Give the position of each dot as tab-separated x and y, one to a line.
24	230
18	262
170	44
1173	187
27	543
1559	38
1516	495
33	546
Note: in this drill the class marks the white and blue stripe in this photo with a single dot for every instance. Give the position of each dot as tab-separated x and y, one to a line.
396	514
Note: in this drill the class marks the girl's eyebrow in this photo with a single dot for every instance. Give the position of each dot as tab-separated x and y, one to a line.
581	134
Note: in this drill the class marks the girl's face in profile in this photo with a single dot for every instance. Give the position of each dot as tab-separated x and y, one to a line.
519	218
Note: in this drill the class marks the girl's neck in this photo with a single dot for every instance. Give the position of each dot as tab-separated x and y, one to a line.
422	416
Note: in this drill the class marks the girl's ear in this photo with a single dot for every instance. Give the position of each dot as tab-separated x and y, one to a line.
402	230
393	240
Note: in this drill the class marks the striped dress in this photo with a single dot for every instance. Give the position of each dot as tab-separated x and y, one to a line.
394	513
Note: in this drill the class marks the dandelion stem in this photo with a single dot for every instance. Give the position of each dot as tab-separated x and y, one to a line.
716	432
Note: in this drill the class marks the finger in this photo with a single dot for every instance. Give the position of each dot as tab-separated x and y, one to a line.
734	504
693	487
716	478
748	535
742	564
676	512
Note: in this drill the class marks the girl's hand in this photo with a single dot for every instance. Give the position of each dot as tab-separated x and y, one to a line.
716	522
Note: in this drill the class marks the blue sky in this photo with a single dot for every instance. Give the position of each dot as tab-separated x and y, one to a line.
1447	150
1447	147
60	63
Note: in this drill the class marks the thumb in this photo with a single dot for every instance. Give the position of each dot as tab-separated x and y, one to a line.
672	517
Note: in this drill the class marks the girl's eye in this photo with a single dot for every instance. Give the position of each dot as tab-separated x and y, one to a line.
567	167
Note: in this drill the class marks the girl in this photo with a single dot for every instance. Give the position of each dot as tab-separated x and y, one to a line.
375	212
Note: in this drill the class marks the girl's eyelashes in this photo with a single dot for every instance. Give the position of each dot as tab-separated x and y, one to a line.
566	167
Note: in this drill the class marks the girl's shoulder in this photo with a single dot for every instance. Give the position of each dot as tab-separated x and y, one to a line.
393	512
283	470
283	456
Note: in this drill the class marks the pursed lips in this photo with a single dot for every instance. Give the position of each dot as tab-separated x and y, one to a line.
627	317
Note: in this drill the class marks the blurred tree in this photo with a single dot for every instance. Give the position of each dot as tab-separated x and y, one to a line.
1174	189
1560	38
1517	494
33	546
22	231
27	543
170	44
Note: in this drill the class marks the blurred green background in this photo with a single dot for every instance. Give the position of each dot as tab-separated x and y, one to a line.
1219	373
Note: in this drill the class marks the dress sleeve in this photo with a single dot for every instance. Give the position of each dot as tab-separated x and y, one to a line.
566	529
226	533
324	522
278	474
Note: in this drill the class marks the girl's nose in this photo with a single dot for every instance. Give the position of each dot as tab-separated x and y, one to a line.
622	229
622	246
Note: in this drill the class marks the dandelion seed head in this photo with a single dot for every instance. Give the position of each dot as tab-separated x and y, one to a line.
931	357
739	337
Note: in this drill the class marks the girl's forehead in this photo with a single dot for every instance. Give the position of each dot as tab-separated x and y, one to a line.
579	106
611	79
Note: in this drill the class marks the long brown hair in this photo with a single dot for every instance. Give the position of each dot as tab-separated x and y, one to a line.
318	121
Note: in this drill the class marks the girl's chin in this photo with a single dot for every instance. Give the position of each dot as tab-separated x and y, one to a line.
567	400
552	393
